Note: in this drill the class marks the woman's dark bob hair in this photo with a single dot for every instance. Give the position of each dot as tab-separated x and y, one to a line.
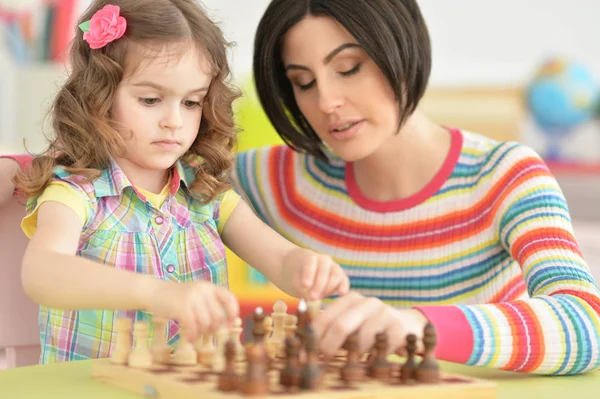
392	32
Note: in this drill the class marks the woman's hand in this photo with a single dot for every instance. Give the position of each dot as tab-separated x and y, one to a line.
368	316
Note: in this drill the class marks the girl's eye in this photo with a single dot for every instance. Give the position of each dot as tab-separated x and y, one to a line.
149	101
351	71
192	104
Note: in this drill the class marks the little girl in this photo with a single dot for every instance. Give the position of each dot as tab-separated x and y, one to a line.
129	208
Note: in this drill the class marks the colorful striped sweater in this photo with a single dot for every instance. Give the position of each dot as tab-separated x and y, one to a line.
486	250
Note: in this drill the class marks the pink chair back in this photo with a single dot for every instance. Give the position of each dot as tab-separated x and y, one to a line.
19	332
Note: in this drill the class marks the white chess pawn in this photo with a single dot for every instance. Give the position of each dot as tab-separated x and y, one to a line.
160	349
140	357
268	327
235	335
207	350
314	308
218	360
185	353
120	354
279	314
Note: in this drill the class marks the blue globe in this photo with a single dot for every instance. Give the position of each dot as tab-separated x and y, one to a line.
561	96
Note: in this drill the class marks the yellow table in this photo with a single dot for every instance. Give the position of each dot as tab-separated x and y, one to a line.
72	381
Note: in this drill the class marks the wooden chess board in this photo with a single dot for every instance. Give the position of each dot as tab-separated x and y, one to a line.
192	382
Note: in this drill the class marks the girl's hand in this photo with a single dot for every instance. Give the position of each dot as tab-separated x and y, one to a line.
315	276
368	316
199	307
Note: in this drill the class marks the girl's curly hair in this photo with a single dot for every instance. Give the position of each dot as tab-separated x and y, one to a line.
84	136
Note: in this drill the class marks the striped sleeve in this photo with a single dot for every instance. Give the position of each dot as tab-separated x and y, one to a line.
556	329
247	186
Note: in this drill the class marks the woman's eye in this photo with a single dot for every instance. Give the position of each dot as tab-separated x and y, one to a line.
351	71
306	86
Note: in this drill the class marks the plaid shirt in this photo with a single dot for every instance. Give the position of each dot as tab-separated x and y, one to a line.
178	242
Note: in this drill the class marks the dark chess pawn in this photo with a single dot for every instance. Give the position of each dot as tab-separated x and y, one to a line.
379	368
311	377
258	332
255	382
303	322
289	376
353	370
407	371
428	370
228	379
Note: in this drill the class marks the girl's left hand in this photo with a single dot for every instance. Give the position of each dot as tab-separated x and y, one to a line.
315	276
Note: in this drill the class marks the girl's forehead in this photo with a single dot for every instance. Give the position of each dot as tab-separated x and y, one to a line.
160	59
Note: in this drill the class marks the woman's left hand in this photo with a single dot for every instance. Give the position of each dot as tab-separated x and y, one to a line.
369	316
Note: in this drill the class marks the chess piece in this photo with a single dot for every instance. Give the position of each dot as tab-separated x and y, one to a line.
235	335
379	367
314	308
258	331
229	380
268	328
353	370
289	325
120	354
218	361
140	357
289	376
311	377
407	371
428	370
289	328
255	382
160	349
207	350
302	321
185	353
279	314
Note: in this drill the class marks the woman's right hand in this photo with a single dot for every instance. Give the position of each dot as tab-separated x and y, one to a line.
199	307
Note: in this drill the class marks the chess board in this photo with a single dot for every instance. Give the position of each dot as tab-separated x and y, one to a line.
192	382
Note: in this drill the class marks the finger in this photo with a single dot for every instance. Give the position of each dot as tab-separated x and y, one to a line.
333	282
350	320
397	338
229	304
307	275
377	322
344	287
338	282
322	276
214	311
188	324
334	310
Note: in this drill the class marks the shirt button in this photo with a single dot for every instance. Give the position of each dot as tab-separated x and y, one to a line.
159	220
170	268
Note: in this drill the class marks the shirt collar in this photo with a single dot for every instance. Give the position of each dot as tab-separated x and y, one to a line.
113	180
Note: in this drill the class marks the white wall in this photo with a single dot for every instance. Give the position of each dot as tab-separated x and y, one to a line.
489	42
502	41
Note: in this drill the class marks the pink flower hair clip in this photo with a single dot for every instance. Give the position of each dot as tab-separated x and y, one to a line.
105	26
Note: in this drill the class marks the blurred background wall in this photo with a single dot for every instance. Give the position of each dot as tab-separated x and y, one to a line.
488	56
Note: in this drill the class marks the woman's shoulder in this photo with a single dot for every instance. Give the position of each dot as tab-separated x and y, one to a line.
488	154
